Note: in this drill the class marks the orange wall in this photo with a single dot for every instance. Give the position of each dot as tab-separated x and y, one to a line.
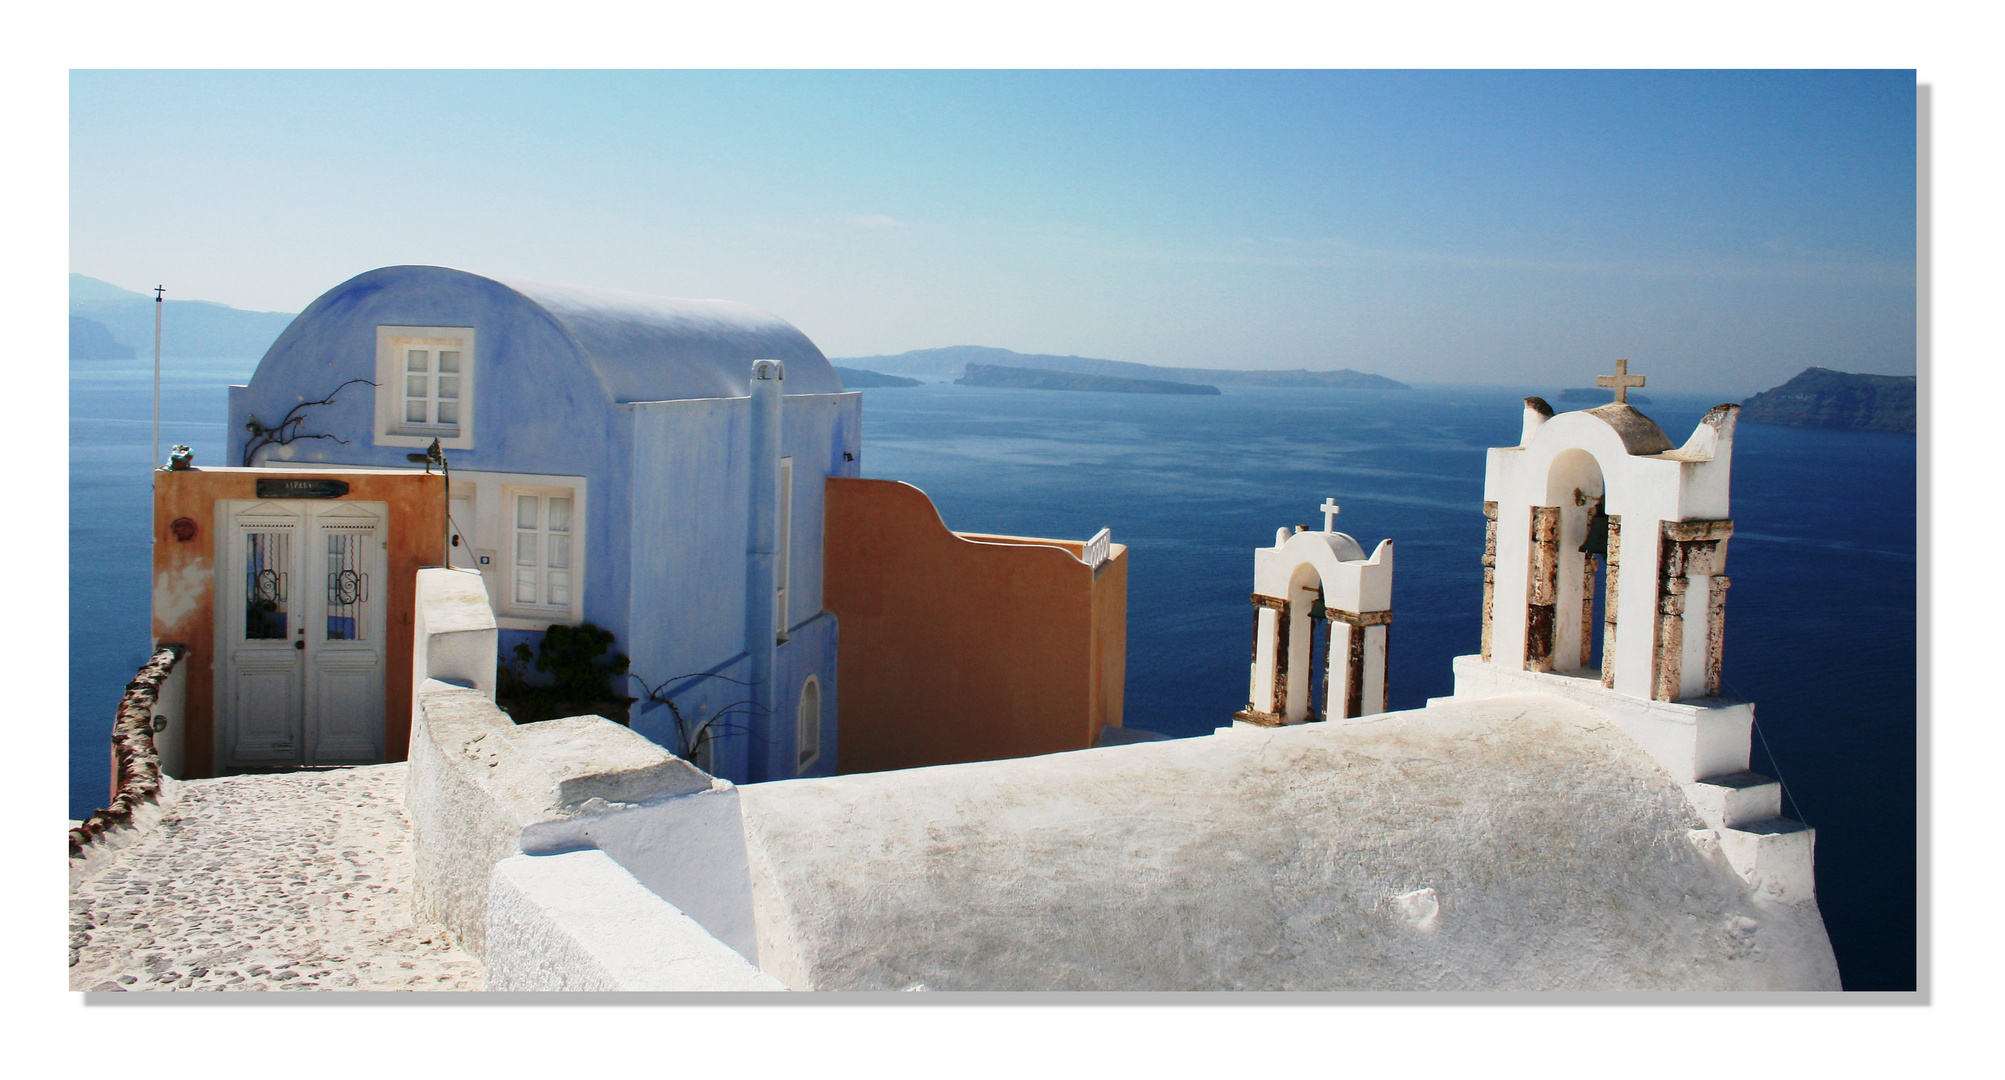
184	582
964	647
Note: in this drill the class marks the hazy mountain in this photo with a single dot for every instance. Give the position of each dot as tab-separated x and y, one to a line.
89	340
188	327
1822	398
859	379
1046	379
953	361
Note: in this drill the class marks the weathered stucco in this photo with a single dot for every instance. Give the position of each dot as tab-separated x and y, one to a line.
1515	843
184	582
966	646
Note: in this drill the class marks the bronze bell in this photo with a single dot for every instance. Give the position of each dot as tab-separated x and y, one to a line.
1597	530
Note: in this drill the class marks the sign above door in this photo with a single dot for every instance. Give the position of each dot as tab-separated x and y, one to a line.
283	488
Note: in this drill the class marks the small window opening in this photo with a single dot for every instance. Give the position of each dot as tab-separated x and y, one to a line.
807	725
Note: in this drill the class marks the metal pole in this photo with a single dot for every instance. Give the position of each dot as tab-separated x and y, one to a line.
158	291
762	621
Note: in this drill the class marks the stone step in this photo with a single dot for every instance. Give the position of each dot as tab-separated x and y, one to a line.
1736	799
1775	856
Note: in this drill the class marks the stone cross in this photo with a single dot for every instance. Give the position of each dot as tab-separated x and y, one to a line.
1329	509
1620	382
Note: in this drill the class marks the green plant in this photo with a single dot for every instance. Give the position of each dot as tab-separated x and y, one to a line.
582	676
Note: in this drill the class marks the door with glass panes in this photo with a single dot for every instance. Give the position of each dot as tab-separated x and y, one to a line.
300	633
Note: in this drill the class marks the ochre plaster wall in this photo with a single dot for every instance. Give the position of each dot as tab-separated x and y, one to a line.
965	647
184	581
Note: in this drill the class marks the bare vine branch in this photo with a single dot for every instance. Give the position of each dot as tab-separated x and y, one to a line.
279	435
691	739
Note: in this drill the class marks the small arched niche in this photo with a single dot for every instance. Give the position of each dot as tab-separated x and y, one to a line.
1562	627
1308	641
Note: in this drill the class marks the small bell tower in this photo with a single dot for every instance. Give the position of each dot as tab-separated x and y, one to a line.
1317	593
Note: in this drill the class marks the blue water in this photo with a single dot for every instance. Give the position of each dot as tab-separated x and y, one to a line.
1193	484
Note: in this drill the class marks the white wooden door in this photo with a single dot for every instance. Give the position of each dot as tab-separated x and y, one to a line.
259	704
344	651
301	634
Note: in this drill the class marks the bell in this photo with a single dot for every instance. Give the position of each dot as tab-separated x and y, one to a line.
1597	531
1317	611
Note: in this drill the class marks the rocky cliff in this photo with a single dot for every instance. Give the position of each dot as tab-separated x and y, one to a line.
1822	398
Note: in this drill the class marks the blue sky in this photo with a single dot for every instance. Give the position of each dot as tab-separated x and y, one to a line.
1721	229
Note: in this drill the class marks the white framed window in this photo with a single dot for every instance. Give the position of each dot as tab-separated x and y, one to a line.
424	386
807	726
491	523
541	550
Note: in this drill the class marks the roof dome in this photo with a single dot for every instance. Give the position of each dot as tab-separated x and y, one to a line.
1640	435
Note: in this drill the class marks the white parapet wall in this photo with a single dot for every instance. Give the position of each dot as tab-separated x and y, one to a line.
455	639
1705	744
579	921
1692	740
478	781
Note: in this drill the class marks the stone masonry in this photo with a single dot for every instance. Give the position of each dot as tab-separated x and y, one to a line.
291	881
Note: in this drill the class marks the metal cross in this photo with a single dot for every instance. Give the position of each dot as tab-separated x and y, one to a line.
1620	382
1329	509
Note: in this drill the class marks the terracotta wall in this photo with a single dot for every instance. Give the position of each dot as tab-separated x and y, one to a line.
965	647
184	581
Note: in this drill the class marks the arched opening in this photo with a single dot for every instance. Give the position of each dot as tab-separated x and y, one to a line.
807	726
1570	568
1308	639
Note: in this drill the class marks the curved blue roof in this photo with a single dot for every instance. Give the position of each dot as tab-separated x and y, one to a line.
642	348
652	348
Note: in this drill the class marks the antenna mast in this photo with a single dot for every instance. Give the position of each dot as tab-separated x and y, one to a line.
159	292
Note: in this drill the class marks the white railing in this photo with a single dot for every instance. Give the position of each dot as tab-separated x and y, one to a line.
1097	549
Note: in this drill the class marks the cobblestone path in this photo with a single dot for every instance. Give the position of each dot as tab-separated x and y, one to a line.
292	881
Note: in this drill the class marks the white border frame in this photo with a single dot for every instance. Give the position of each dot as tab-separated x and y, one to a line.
389	429
488	529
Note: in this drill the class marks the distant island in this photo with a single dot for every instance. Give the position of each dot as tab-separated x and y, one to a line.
1840	400
954	360
859	379
191	327
1017	378
1600	395
89	340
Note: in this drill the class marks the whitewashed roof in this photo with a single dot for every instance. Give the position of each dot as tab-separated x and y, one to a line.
1513	843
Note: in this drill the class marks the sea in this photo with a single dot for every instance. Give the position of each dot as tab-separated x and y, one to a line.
1820	630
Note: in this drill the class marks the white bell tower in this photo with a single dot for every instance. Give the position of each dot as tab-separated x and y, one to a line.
1310	585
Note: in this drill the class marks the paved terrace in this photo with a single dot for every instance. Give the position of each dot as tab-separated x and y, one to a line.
292	881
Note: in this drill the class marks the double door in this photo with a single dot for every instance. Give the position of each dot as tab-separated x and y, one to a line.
300	631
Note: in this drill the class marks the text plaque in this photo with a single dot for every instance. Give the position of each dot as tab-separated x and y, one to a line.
301	489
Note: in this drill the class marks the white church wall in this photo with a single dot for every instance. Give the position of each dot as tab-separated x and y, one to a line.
1640	491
